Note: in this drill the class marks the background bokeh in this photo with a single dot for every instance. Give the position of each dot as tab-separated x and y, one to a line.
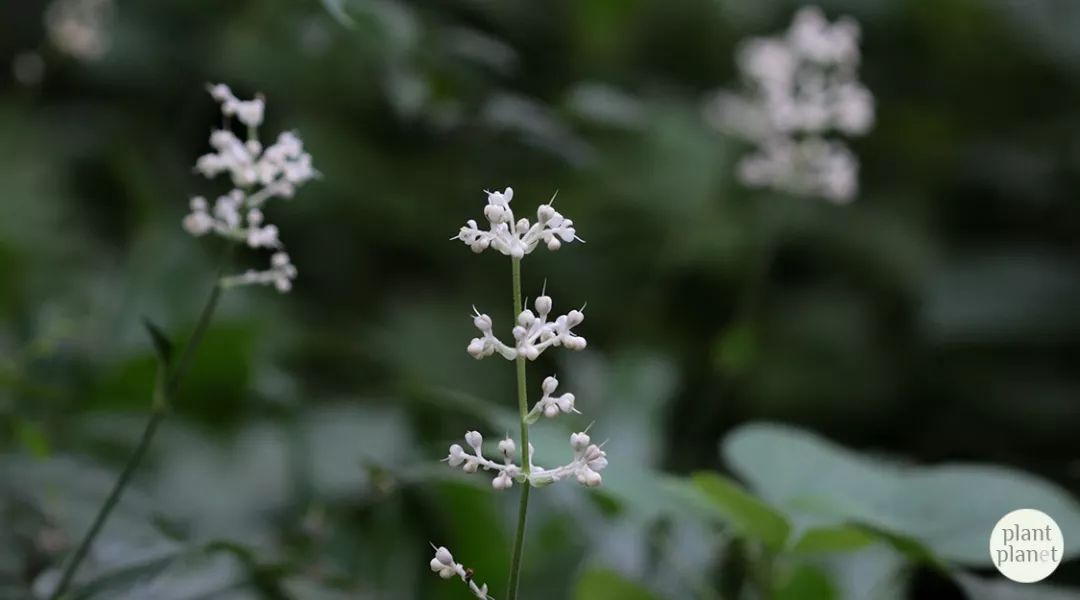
936	319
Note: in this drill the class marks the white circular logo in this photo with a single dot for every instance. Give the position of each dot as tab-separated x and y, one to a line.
1026	545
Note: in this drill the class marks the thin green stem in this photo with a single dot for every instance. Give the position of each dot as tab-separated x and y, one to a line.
523	410
163	395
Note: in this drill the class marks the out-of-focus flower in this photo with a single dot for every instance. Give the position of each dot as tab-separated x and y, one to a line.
259	175
79	28
800	87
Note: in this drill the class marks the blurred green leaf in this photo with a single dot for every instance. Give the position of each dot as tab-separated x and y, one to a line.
750	516
841	538
162	345
604	584
32	438
336	8
737	348
949	509
998	588
806	582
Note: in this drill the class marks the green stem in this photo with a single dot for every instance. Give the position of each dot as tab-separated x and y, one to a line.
163	400
523	410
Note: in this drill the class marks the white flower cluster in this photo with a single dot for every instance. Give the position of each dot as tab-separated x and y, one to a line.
801	86
585	466
533	332
444	565
516	238
532	335
258	175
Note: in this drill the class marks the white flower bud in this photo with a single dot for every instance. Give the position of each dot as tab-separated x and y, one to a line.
579	441
482	322
532	353
221	92
544	213
476	348
250	113
470	465
543	305
526	317
507	447
457	455
495	213
443	556
549	385
566	402
474	440
554	243
576	343
436	566
502	482
551	411
574	317
589	478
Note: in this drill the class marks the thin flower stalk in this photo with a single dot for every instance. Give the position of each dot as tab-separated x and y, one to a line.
535	330
261	175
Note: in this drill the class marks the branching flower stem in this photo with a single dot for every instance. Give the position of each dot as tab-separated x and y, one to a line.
164	392
523	409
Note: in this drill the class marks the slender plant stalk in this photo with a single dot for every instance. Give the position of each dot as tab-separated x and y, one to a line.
163	395
523	409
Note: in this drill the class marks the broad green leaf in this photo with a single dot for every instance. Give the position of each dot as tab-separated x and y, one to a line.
750	516
603	584
947	509
806	582
998	588
839	538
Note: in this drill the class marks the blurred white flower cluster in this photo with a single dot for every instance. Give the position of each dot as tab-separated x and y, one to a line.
444	565
532	335
516	238
800	87
258	175
80	28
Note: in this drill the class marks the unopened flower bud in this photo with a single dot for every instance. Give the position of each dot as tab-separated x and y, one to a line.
549	385
474	440
476	348
566	402
507	447
543	305
443	556
482	322
457	455
502	482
